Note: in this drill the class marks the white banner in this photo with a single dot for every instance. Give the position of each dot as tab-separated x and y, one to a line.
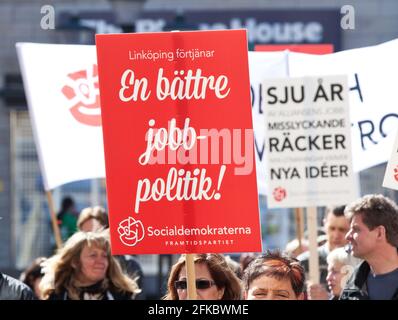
57	77
61	86
391	175
263	65
308	142
372	79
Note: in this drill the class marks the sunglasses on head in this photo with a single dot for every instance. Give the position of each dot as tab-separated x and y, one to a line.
200	284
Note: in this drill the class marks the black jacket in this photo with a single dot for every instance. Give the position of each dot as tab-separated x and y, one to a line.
356	287
12	289
107	296
94	292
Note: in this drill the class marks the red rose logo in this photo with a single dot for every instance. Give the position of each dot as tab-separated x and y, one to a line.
82	91
396	173
279	194
131	231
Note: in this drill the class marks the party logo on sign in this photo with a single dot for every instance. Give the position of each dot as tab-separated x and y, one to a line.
82	91
131	231
279	194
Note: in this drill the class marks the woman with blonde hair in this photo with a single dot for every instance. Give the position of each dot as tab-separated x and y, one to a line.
215	280
85	270
95	219
341	266
92	219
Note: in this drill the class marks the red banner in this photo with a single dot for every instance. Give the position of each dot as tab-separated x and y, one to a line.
304	48
178	142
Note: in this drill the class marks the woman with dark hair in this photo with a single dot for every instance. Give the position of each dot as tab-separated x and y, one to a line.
67	218
33	275
215	280
274	276
85	270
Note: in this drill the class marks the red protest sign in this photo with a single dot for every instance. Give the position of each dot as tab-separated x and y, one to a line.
178	142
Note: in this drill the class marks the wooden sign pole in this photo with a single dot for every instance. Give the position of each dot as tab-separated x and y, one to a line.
312	225
191	278
57	233
299	214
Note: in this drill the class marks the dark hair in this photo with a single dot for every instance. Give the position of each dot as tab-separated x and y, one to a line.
66	204
33	272
377	210
245	259
278	266
219	270
337	211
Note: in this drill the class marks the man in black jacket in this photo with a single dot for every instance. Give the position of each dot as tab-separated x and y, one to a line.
373	237
12	289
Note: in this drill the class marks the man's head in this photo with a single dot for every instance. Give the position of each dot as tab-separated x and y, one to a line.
374	225
336	227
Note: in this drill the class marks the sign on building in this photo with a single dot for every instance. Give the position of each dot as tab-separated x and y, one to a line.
263	26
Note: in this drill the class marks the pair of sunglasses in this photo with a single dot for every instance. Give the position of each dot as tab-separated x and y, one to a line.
200	284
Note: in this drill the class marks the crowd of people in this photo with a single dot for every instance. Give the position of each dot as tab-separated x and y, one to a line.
358	260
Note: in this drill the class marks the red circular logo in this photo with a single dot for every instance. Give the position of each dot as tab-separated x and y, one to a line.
131	231
279	194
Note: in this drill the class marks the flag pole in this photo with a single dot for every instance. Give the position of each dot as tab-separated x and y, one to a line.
191	278
57	233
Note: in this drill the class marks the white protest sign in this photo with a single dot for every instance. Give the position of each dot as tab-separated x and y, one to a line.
262	65
391	175
372	78
308	142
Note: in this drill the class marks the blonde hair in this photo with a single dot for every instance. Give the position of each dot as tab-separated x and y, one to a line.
98	213
61	270
339	255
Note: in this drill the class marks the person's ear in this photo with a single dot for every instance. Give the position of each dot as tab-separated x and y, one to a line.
74	264
381	233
